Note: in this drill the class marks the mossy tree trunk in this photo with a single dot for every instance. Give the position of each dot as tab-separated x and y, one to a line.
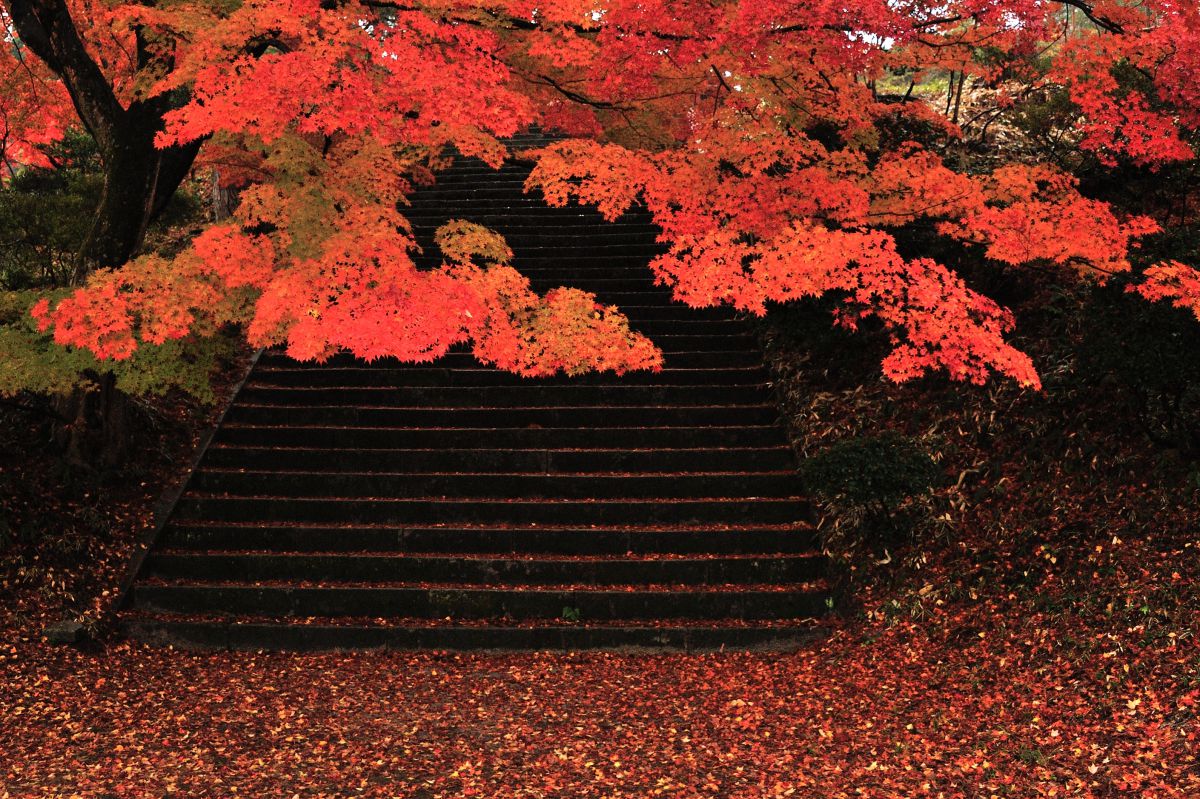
95	432
139	181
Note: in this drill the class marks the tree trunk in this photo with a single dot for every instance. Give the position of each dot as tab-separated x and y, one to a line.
96	439
139	181
139	178
224	200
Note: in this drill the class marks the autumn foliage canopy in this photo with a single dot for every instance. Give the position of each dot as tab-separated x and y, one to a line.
772	140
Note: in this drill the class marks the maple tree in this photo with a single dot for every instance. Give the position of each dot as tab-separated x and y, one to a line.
774	142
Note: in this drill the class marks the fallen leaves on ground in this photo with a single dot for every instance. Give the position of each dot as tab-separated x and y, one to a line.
971	697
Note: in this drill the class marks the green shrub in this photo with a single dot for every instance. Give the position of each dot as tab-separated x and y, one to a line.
31	362
46	216
872	487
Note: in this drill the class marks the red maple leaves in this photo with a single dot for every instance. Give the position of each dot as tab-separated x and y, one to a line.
34	108
752	131
801	222
1173	281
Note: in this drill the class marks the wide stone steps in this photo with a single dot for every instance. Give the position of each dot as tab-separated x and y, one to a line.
705	436
481	510
208	536
499	461
348	485
583	416
449	505
418	376
469	601
308	635
509	396
254	567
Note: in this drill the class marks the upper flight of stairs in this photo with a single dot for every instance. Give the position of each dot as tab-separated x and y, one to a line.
452	505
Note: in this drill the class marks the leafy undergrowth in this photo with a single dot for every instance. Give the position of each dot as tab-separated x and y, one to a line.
1044	646
66	535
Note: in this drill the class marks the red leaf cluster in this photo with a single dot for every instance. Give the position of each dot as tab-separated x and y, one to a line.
754	131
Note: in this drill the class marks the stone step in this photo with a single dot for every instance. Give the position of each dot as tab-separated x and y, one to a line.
509	396
475	510
220	633
484	570
472	602
503	460
696	539
346	485
369	375
552	416
702	437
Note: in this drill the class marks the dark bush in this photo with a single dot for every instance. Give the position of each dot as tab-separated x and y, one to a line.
804	334
871	487
46	215
1149	355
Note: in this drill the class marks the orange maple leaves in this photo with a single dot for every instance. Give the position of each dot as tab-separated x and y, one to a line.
1173	281
34	107
361	293
752	132
780	243
515	329
1124	122
154	299
328	117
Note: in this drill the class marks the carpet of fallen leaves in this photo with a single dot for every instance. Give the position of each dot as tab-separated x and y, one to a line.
972	697
1032	687
1046	649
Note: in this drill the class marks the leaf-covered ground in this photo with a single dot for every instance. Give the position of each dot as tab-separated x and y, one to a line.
1046	647
1042	685
992	696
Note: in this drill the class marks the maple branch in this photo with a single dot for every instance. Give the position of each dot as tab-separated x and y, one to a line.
1089	11
46	27
933	23
721	78
259	45
574	96
519	23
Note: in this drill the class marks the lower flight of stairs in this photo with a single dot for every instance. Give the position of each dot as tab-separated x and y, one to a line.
454	506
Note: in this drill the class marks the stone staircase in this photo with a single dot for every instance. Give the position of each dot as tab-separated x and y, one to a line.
453	506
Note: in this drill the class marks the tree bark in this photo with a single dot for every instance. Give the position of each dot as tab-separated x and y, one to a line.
96	437
139	178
